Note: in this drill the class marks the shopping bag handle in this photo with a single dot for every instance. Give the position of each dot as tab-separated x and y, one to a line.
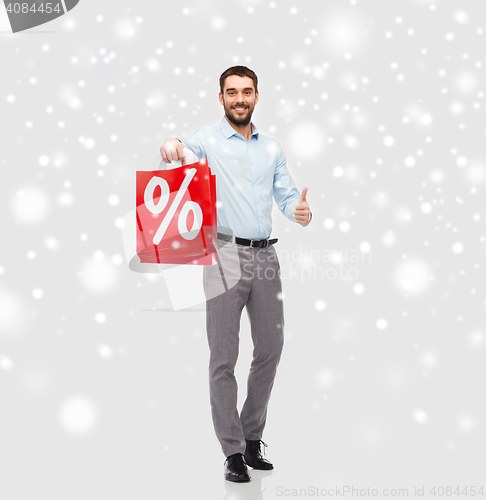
159	163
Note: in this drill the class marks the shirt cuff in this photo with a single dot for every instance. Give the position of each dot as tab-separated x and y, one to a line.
310	218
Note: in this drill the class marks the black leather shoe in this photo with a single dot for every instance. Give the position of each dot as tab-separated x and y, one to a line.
235	469
254	457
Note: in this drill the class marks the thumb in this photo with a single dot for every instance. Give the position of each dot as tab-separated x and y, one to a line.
304	194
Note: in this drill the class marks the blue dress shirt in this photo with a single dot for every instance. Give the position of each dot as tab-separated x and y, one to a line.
248	174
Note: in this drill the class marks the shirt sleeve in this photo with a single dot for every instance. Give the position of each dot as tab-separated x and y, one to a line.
285	192
197	143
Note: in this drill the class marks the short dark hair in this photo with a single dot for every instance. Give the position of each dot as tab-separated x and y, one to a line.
238	71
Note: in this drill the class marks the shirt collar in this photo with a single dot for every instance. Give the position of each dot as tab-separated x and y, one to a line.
229	131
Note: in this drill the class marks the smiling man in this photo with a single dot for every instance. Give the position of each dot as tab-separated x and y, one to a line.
251	171
238	103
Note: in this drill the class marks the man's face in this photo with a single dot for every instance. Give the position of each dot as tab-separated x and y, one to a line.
239	99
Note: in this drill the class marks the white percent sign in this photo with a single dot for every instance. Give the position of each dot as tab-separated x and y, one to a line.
148	197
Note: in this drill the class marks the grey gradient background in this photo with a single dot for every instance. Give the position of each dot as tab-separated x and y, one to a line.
379	107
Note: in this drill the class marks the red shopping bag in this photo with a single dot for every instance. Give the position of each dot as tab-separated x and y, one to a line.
176	215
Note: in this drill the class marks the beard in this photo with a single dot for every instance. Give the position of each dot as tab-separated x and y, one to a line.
236	119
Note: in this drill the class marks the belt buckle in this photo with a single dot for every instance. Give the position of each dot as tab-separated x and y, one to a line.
264	246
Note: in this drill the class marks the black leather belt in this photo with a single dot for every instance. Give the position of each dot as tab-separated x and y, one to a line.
249	243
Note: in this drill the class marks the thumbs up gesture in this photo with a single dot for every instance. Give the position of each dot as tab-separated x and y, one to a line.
302	211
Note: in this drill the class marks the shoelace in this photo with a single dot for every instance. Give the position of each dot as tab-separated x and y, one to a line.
259	449
241	455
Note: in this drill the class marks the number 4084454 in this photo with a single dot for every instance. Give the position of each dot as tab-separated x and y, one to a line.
17	8
447	491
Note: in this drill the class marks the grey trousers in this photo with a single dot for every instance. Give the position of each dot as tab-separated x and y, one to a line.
259	288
